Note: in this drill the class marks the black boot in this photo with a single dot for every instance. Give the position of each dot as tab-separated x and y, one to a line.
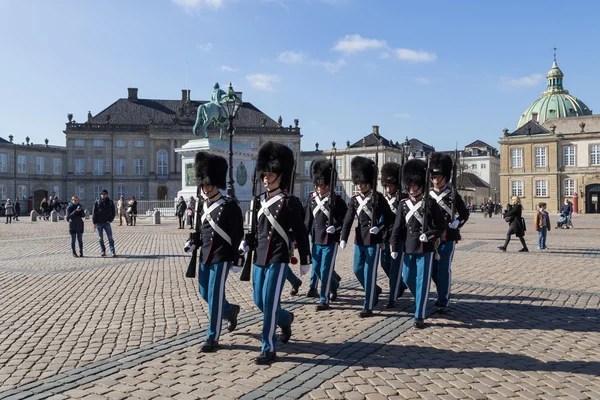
265	357
81	253
312	292
295	288
286	333
75	255
232	322
209	346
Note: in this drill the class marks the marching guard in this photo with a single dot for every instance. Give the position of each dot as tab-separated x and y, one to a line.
324	223
419	223
451	203
373	214
391	181
219	231
278	214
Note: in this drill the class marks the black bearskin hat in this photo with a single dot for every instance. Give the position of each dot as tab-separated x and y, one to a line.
210	170
390	174
363	170
320	172
441	164
277	158
414	173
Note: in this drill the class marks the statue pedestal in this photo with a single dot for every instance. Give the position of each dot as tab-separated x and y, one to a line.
243	165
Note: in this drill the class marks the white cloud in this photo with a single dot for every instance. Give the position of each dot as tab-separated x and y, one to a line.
331	67
192	5
351	44
526	81
205	46
384	55
414	55
422	80
292	57
403	115
263	81
227	68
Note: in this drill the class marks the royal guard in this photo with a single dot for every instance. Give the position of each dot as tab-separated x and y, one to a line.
419	224
325	211
373	214
279	212
219	231
456	213
391	181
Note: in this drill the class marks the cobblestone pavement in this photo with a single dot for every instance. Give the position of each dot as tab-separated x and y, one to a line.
523	325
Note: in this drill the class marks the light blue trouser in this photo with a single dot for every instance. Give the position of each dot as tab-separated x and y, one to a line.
416	272
211	283
542	237
393	270
292	278
441	272
366	259
111	243
268	282
323	263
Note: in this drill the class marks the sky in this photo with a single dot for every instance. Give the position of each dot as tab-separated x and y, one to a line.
446	72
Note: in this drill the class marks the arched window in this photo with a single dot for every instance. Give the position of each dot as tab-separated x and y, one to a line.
162	163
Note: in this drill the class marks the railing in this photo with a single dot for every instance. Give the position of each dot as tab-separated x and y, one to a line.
166	208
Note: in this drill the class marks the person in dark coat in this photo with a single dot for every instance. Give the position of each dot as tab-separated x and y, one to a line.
17	210
132	211
44	208
75	215
516	224
180	211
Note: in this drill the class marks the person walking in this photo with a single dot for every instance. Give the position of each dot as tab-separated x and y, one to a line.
516	224
566	211
121	209
542	225
191	209
103	214
9	211
75	215
17	210
180	212
44	208
132	210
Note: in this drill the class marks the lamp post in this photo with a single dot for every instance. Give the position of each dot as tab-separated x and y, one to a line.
406	147
231	104
495	191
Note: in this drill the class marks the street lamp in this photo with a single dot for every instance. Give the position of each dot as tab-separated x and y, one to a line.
406	147
231	104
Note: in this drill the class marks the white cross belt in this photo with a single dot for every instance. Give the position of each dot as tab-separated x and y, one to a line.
362	206
440	200
264	210
413	210
321	207
207	217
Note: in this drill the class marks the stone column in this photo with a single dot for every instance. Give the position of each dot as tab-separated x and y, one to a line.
171	157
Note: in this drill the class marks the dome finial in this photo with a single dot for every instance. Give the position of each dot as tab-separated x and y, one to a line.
555	54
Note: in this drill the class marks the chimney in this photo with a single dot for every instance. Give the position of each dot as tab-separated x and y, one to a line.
185	95
376	129
132	94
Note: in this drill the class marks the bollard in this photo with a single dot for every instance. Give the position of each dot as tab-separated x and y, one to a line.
33	216
54	216
156	217
87	213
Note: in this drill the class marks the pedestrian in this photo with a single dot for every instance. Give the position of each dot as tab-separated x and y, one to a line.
542	225
75	216
373	214
444	195
103	214
9	211
324	223
516	224
566	210
17	210
279	213
132	211
191	209
415	235
122	210
180	210
391	181
219	231
44	208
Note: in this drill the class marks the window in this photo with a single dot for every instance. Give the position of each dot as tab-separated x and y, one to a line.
79	192
483	166
307	168
355	190
339	189
120	191
541	188
97	191
517	188
39	165
139	143
139	167
57	163
121	166
339	167
98	143
569	156
595	154
3	191
473	166
22	164
139	193
80	166
516	158
56	192
162	163
540	157
79	143
3	162
569	187
121	143
307	190
21	192
98	166
252	145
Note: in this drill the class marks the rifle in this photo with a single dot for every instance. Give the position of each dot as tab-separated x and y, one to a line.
453	209
425	201
374	199
332	185
251	236
293	260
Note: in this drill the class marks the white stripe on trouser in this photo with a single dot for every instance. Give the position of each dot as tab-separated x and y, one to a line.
399	277
221	299
274	307
427	283
374	277
332	266
450	258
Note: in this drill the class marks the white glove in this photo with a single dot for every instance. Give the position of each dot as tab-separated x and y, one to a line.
330	229
304	269
243	248
374	230
394	254
189	246
343	244
236	269
423	238
454	224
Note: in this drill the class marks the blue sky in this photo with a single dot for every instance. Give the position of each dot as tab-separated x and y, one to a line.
440	71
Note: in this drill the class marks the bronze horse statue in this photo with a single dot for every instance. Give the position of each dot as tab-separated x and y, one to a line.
207	113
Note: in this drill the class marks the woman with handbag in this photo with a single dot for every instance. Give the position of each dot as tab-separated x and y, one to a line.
180	211
516	224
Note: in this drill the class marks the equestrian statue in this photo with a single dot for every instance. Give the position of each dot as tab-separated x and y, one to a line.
212	111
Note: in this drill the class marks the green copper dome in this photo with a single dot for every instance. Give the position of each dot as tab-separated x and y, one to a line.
556	102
